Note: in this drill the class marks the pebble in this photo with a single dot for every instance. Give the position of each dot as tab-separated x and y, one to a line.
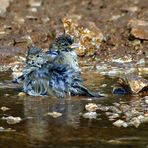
115	109
139	29
90	115
103	108
5	108
135	122
22	94
115	17
35	3
113	116
129	9
19	20
146	101
3	6
91	107
12	120
6	95
6	130
54	114
1	129
144	120
120	123
141	62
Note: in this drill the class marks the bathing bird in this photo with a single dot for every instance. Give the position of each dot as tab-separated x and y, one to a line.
63	49
52	72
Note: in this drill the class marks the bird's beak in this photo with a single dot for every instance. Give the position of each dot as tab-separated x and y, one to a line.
75	45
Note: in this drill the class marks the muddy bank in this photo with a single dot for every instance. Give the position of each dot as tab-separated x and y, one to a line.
28	22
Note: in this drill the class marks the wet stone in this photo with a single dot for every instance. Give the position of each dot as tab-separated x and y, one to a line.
139	29
22	94
113	116
4	108
12	120
103	108
144	120
120	123
35	3
6	95
91	107
4	4
115	109
129	9
146	99
54	114
2	129
90	115
135	122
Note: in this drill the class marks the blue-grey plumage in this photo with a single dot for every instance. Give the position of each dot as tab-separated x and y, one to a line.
55	80
36	57
63	51
51	79
52	73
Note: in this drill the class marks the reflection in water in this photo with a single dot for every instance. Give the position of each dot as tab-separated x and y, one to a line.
36	109
71	129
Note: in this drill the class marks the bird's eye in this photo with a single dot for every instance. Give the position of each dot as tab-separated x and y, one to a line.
37	55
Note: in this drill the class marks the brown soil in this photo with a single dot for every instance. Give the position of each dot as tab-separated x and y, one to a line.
112	17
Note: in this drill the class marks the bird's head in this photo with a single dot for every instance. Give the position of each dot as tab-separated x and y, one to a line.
35	57
64	41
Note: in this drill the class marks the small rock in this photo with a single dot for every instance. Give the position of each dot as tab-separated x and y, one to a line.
130	9
113	116
103	85
134	23
54	114
31	17
140	117
139	29
12	120
140	32
115	109
3	6
144	120
45	19
115	17
19	20
6	95
90	115
103	108
135	122
108	113
91	107
146	101
22	94
1	129
116	104
4	108
141	62
120	123
143	70
23	39
6	130
35	3
33	9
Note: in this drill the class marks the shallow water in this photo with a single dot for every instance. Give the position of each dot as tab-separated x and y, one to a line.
39	130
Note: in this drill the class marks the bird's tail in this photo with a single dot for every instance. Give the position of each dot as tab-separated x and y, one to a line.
81	90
